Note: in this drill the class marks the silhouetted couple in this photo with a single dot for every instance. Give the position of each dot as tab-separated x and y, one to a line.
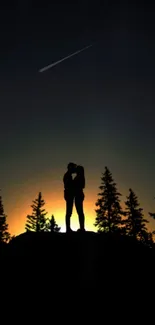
73	192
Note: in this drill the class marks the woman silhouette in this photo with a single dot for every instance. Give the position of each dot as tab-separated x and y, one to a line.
79	185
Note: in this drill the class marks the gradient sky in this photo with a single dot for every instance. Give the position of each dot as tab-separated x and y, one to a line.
95	109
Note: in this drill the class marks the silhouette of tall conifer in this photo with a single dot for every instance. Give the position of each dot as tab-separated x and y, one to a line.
109	211
4	234
37	221
135	223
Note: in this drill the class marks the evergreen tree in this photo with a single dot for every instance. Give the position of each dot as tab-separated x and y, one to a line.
37	221
4	234
147	238
135	223
152	215
109	211
51	225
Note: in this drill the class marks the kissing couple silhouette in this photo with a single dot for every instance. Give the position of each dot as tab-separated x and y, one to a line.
73	192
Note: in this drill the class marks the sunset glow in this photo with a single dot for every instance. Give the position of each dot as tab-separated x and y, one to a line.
53	205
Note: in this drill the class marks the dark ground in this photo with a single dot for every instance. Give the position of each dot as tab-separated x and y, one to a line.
77	260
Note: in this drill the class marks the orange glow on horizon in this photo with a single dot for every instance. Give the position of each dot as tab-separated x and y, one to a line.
19	205
55	207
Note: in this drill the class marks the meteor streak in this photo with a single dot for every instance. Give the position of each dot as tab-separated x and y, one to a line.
67	57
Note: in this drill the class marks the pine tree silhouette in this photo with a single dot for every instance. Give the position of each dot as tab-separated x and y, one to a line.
135	223
4	234
109	211
37	221
152	215
147	238
51	225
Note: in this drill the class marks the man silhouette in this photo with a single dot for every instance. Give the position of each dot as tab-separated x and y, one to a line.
79	185
69	193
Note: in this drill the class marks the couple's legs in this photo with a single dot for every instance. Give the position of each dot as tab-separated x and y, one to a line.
79	209
69	209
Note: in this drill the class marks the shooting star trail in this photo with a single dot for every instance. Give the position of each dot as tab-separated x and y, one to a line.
67	57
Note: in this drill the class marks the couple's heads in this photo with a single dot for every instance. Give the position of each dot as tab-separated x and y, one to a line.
73	168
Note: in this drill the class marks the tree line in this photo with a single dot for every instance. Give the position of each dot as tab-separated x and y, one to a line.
110	217
37	221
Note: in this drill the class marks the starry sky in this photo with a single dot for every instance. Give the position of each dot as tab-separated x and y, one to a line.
95	109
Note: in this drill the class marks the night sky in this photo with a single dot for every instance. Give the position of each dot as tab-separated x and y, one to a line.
95	109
